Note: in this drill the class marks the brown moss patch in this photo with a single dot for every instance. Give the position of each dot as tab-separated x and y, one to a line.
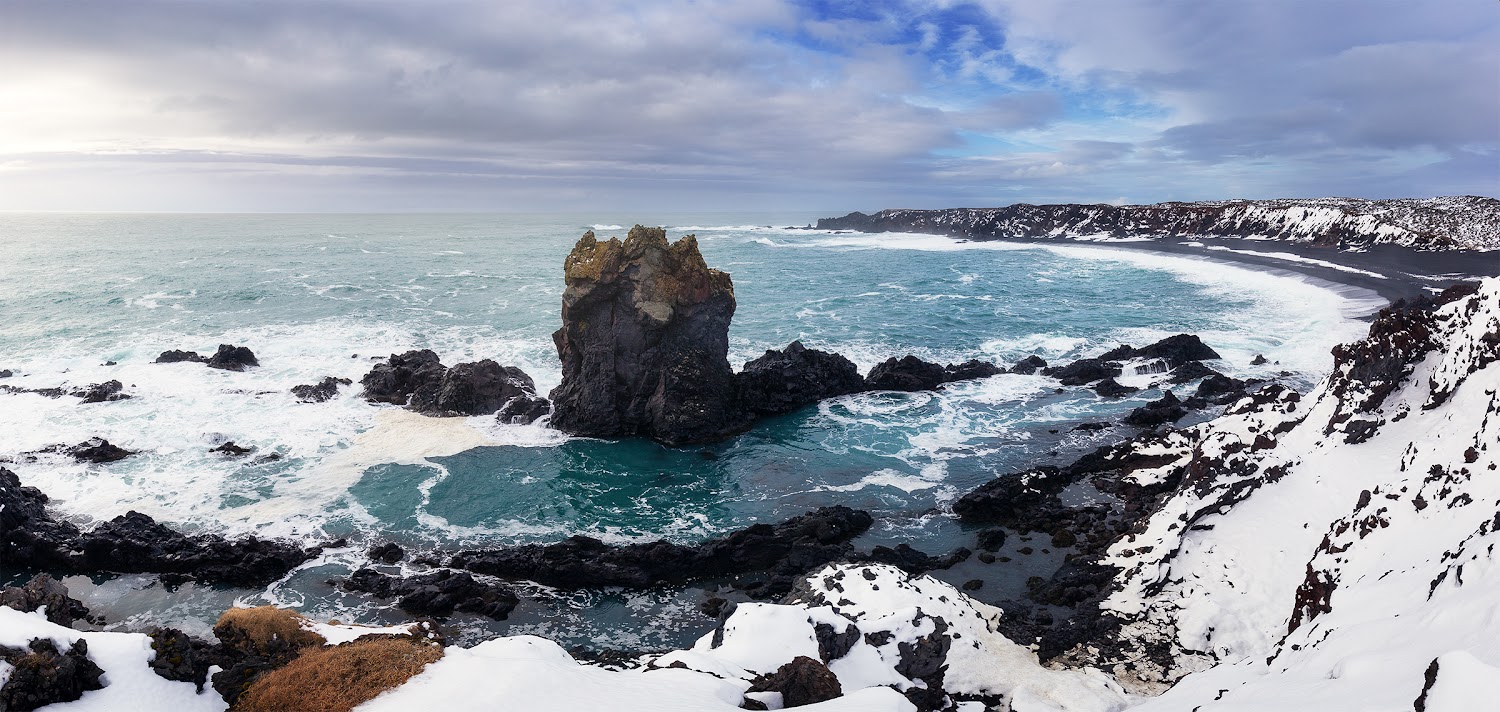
340	678
265	628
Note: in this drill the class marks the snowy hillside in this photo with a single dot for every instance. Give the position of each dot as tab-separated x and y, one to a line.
1447	223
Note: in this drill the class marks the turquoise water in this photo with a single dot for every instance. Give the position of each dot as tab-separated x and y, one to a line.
320	295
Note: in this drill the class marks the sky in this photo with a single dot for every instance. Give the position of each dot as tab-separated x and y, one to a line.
744	105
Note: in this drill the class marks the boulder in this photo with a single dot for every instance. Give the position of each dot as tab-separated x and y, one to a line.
232	358
1029	365
1110	388
1178	350
644	342
44	591
102	392
803	681
388	553
321	391
176	356
438	593
1218	385
179	657
98	451
400	376
796	376
477	388
1167	409
908	373
42	675
1082	371
524	409
969	370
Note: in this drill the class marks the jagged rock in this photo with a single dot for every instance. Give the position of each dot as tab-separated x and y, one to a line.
400	376
908	373
1259	360
803	681
6	373
1190	371
102	392
1082	371
97	451
389	552
1029	365
232	450
1110	388
968	370
1219	385
644	343
321	391
43	590
1011	500
1167	409
136	543
41	675
28	535
176	356
796	376
524	410
179	657
438	593
477	388
784	550
232	358
1177	350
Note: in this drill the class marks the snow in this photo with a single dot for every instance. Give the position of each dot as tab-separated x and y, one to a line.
336	633
129	682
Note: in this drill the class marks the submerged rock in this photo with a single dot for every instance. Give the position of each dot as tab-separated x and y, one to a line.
908	373
233	358
1167	409
231	450
783	381
644	342
1110	388
321	391
438	593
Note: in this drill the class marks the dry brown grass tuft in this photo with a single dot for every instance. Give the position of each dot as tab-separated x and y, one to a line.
340	678
264	625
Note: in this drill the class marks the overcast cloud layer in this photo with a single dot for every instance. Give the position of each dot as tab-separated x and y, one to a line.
528	105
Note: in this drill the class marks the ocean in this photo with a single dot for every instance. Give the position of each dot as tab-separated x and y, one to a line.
86	298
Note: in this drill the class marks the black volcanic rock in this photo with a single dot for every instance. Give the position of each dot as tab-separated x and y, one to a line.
1190	371
136	543
478	388
1110	388
438	593
42	675
29	536
803	681
321	391
1082	371
524	410
1166	409
784	550
968	370
176	356
97	451
102	392
908	373
401	375
796	376
44	591
1218	385
1177	350
232	358
1029	365
644	342
230	449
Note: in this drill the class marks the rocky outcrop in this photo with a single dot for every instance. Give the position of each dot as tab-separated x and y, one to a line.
796	376
1167	409
41	674
1461	222
780	551
105	392
233	358
910	373
132	543
419	381
1029	365
644	342
43	591
321	391
1083	371
438	593
803	681
178	356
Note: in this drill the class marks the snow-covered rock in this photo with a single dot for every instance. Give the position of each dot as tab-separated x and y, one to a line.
1446	223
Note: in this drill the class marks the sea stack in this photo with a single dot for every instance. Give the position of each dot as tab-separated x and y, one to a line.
645	341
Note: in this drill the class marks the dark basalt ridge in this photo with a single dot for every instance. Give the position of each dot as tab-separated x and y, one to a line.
796	376
132	543
907	373
42	675
437	593
780	552
644	342
419	381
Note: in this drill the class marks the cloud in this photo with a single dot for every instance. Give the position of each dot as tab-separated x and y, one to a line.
462	104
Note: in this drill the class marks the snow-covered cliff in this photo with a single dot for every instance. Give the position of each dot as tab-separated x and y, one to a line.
1447	223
